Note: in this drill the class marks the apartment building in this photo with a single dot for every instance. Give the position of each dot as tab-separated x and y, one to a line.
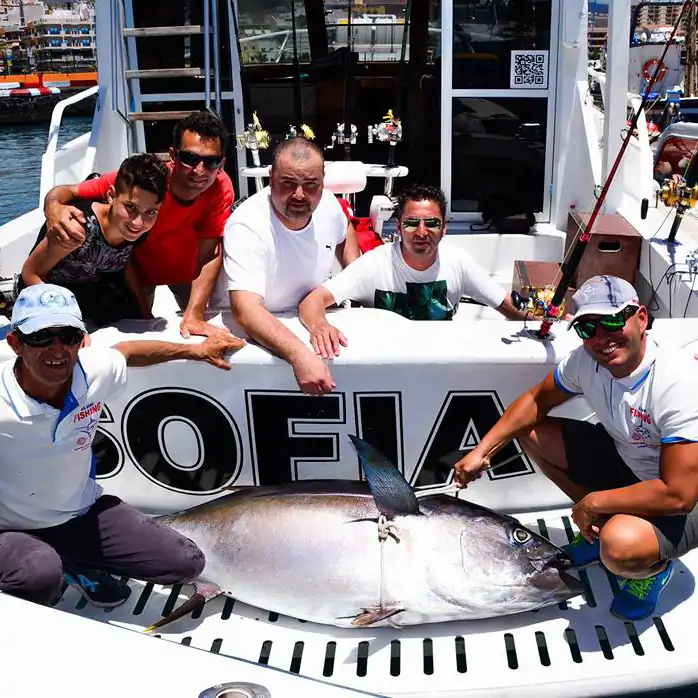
36	37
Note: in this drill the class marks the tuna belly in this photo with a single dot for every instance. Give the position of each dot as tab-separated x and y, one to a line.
320	567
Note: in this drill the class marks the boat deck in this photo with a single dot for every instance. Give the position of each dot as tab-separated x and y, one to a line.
575	649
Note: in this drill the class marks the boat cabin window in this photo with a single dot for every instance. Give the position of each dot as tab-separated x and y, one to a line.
316	62
486	32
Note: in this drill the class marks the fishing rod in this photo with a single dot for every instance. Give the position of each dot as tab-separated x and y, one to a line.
570	266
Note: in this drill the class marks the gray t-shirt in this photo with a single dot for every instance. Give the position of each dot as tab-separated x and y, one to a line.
93	258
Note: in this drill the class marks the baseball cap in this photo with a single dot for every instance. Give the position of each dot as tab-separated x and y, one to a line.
46	305
602	295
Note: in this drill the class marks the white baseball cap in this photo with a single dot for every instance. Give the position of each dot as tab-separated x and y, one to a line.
602	295
42	306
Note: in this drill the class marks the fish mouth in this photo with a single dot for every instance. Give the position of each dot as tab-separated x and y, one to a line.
550	574
560	561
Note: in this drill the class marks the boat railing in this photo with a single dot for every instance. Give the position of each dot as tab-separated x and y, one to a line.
48	159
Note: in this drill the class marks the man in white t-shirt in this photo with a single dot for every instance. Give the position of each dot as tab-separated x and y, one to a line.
413	277
54	518
280	244
634	475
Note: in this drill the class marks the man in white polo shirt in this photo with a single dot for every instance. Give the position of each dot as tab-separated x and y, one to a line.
416	277
278	246
53	515
634	475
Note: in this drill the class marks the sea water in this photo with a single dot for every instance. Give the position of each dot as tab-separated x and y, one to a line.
21	148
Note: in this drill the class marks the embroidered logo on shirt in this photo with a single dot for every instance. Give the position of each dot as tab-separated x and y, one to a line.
86	432
640	415
87	411
640	436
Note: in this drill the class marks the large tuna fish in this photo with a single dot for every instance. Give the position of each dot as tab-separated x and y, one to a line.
347	554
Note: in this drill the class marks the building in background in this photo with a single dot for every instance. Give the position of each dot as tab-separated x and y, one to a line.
38	37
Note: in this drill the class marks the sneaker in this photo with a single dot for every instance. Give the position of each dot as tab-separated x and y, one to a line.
582	552
99	588
638	598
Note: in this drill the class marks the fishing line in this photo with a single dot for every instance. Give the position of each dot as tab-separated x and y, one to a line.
690	295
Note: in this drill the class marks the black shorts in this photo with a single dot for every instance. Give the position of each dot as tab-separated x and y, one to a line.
594	463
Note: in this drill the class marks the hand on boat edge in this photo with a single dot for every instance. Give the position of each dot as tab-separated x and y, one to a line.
213	350
326	340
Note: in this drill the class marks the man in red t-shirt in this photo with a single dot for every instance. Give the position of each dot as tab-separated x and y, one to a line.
183	248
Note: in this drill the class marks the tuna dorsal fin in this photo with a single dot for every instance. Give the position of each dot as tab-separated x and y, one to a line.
391	492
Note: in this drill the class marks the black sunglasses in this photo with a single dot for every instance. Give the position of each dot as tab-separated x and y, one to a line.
587	329
434	224
69	336
189	159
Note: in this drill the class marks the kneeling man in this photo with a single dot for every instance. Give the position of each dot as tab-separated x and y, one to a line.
53	515
634	475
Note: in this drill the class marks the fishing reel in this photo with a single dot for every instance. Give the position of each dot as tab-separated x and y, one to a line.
341	138
390	130
537	301
254	138
305	132
677	194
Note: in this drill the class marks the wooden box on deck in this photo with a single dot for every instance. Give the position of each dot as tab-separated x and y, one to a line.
614	247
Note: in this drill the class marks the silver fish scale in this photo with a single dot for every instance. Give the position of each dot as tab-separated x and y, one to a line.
576	649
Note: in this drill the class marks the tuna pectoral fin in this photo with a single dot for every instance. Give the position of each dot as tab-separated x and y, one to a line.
374	615
391	492
203	592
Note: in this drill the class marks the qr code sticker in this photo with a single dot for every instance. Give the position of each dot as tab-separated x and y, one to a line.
529	70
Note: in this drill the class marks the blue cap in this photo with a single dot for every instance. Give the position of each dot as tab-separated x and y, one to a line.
46	305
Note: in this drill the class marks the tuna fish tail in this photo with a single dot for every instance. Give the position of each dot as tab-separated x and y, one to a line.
203	592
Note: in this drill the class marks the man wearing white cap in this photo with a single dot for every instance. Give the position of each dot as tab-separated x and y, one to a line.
53	515
634	475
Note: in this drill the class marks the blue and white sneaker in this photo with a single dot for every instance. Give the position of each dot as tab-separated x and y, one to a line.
582	552
99	588
638	598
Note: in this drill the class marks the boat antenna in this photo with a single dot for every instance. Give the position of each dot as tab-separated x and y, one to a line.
570	266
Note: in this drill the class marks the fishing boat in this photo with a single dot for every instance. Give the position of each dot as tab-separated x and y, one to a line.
494	106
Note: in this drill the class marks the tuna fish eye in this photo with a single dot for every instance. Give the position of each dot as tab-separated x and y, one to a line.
521	535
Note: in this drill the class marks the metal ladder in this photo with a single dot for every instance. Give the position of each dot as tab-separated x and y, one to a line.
211	98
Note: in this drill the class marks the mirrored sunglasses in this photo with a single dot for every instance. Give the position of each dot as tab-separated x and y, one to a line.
44	338
189	159
433	224
587	329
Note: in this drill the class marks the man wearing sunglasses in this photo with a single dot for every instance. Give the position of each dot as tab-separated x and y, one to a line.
54	518
634	475
415	277
183	248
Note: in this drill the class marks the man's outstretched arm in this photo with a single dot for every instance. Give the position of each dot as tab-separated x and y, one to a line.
146	352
